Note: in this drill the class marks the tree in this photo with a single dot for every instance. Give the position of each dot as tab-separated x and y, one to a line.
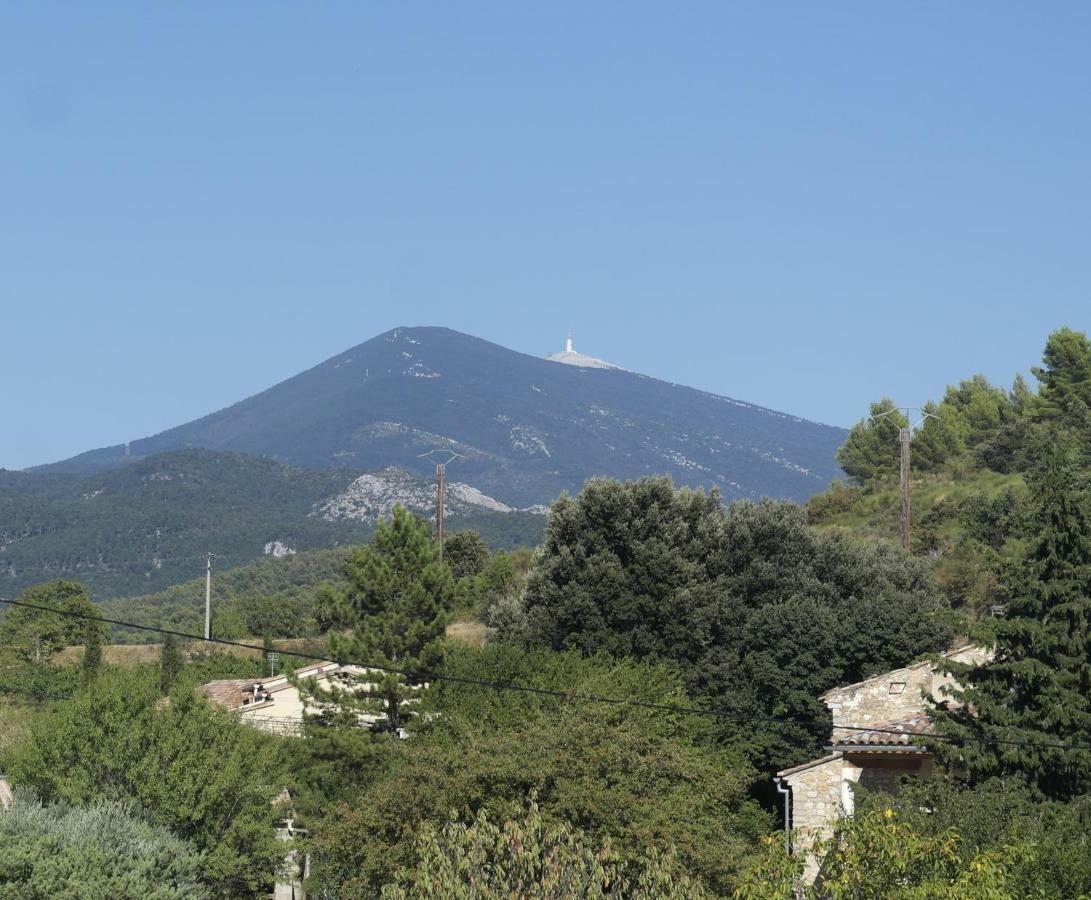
396	602
192	767
100	850
36	634
527	857
171	663
1017	713
760	612
466	554
634	777
92	650
871	449
1064	393
877	856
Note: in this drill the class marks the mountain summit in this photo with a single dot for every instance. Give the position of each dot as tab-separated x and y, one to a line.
525	428
571	358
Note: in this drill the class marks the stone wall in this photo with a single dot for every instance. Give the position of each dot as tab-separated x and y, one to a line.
894	696
816	805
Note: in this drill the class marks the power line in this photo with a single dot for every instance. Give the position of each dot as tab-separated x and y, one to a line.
568	696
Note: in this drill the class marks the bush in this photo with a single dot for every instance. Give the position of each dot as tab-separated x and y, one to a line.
101	850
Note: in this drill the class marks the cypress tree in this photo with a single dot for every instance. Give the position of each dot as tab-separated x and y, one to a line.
1027	713
92	651
170	664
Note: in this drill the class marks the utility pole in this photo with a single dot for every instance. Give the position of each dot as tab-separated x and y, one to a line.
905	437
441	490
208	597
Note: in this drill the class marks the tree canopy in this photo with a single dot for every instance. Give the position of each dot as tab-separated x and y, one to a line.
195	769
1016	714
395	602
525	857
760	612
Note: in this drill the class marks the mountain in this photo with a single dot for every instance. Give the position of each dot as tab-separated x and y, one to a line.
146	526
525	428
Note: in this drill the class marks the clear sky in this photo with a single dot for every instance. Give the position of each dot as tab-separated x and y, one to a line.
803	205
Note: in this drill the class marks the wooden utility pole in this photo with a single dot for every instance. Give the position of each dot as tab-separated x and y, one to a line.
904	436
441	490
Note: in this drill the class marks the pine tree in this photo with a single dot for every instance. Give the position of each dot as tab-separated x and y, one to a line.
1027	713
396	603
170	664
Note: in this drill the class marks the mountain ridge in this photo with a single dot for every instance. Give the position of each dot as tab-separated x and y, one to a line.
527	428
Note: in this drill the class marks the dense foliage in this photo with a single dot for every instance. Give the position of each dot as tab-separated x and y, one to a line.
641	778
394	607
147	526
525	857
99	850
34	634
194	769
758	611
1034	696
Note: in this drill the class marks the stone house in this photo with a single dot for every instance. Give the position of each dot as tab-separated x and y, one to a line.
819	792
275	704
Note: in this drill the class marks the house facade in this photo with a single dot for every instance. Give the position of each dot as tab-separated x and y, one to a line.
275	704
875	724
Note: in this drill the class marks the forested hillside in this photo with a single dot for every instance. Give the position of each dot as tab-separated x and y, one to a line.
143	527
970	457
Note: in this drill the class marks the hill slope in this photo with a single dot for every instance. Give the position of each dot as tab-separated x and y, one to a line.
143	527
527	428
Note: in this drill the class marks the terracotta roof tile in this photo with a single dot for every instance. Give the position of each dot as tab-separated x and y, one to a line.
229	692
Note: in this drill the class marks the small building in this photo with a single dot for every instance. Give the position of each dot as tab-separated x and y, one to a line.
872	744
276	705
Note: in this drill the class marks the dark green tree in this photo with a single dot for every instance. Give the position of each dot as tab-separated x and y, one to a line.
36	634
466	554
171	663
871	449
395	601
760	612
91	661
192	767
1064	393
1027	713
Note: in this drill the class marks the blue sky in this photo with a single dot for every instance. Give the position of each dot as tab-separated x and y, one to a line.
801	205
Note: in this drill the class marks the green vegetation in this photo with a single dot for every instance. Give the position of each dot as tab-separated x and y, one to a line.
194	768
394	606
514	775
1035	694
147	526
525	857
639	778
98	850
34	635
759	612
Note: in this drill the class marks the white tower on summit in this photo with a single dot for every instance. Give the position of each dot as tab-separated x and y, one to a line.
571	358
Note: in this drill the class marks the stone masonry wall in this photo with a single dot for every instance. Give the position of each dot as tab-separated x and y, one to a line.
893	696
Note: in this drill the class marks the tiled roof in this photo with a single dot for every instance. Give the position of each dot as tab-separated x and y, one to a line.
230	692
890	735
